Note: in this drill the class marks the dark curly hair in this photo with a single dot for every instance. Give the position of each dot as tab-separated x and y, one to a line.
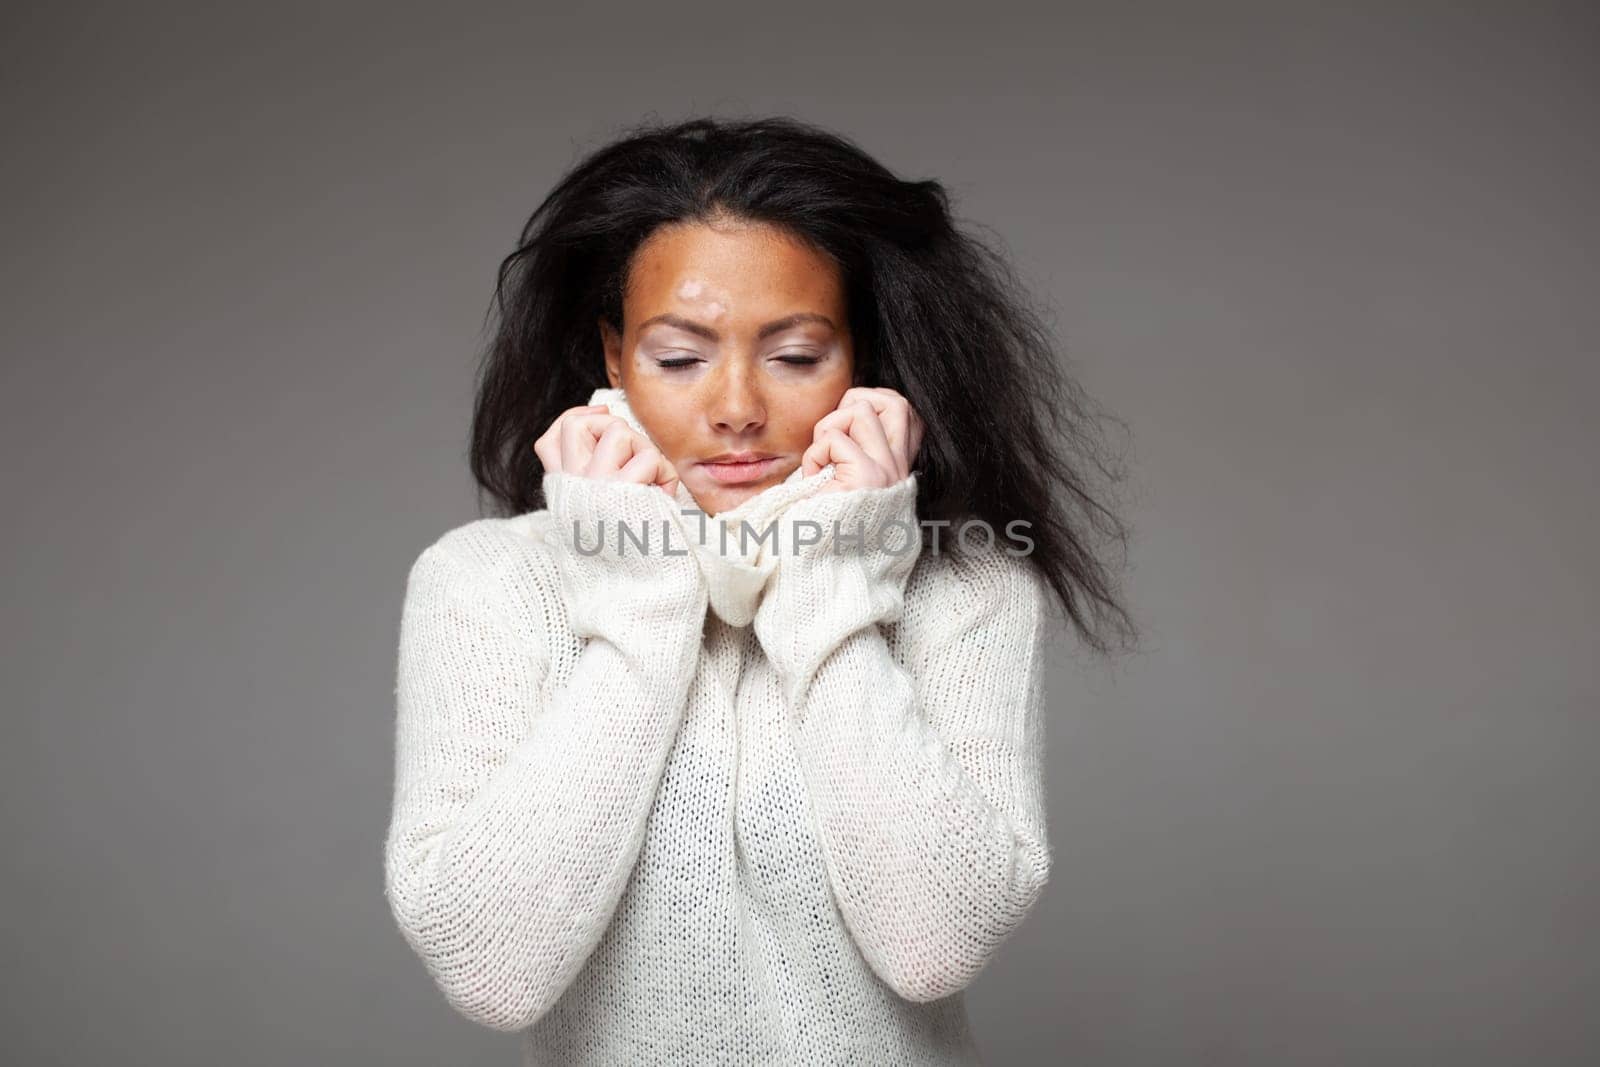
934	313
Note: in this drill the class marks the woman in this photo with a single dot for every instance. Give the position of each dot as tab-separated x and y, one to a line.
665	795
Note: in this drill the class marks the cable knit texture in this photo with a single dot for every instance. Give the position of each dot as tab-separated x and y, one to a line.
715	801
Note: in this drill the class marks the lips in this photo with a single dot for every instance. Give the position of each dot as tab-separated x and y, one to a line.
740	469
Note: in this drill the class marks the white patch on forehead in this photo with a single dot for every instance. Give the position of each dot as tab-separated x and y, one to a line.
695	291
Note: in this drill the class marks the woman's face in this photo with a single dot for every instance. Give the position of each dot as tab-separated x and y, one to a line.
734	341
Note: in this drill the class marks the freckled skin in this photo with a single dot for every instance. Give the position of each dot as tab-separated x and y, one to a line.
736	393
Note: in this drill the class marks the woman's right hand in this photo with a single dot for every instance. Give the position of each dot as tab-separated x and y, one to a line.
590	441
616	585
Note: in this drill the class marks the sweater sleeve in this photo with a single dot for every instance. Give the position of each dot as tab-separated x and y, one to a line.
518	816
926	780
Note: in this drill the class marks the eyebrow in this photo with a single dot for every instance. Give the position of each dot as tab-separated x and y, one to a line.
701	329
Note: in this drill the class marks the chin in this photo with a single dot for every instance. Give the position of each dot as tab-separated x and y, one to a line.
725	497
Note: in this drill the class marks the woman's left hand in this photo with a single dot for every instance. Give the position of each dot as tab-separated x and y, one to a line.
871	438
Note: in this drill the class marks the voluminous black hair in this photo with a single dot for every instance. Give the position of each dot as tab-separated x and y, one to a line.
934	313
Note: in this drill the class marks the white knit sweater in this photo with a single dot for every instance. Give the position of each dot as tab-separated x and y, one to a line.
765	806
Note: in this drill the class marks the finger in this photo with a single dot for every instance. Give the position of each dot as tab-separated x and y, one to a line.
847	451
835	446
867	430
880	397
813	459
548	449
855	468
667	477
580	432
914	447
901	425
819	454
617	444
650	467
857	416
548	446
837	419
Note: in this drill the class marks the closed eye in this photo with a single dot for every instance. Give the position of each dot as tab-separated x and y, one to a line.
679	364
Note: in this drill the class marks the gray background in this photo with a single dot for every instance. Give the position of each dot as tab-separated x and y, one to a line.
1335	268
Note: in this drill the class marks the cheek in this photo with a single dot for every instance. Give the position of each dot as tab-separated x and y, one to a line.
800	417
670	436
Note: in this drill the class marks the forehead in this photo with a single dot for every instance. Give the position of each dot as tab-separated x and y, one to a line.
730	272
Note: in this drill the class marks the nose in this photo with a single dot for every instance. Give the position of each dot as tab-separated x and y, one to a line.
737	406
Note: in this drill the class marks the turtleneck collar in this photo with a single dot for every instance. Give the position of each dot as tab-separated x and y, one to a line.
736	573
